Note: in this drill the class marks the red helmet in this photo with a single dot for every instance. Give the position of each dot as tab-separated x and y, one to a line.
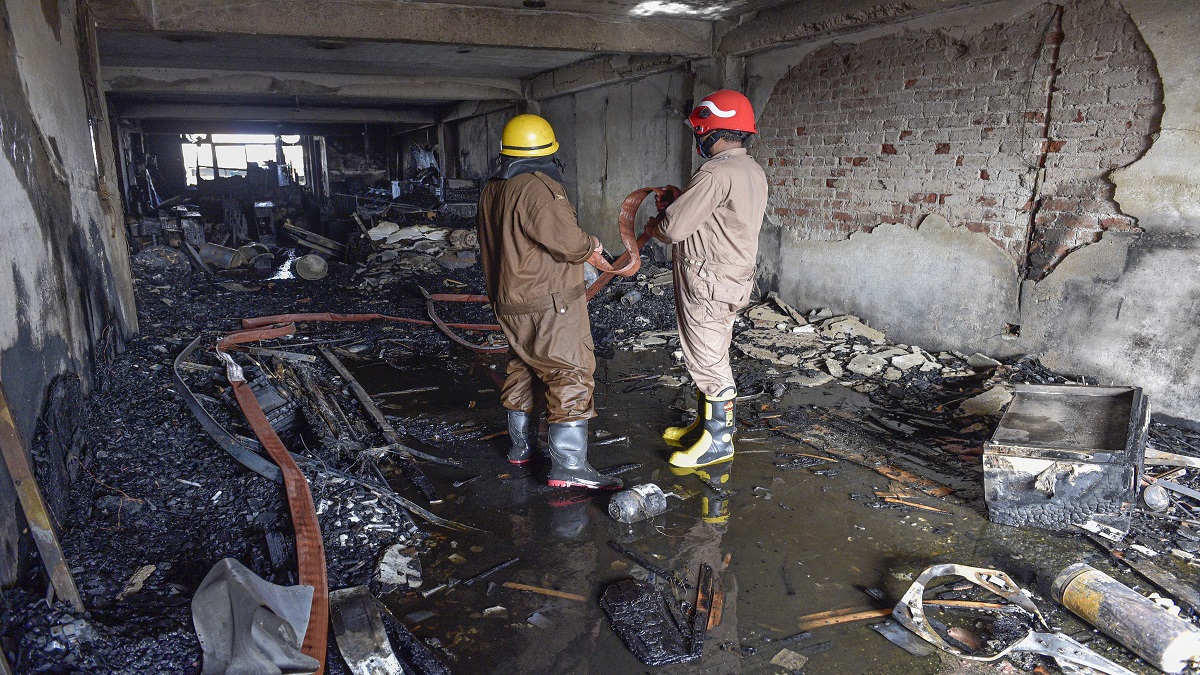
723	109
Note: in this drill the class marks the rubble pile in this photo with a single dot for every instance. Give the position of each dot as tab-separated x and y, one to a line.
417	248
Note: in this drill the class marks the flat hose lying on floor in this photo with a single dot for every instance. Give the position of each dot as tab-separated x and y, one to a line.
310	551
624	266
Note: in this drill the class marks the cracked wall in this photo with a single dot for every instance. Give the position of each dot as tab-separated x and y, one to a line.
1113	282
1009	132
66	298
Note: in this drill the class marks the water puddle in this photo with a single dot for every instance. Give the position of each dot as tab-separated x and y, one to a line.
797	542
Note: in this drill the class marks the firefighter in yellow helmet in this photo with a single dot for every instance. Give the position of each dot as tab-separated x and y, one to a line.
713	228
532	252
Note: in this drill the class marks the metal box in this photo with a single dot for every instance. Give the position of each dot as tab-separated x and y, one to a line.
1064	455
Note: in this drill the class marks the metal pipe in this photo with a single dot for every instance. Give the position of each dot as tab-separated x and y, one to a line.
1164	640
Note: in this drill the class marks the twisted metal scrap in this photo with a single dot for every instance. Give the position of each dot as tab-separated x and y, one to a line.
910	613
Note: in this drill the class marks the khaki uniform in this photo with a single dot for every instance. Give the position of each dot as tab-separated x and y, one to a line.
714	227
532	252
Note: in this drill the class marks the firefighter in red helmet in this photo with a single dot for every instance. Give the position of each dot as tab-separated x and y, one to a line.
713	228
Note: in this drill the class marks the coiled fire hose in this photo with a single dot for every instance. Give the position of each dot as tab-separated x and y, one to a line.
631	260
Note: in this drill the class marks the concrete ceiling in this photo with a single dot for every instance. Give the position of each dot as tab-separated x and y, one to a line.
309	55
683	9
335	55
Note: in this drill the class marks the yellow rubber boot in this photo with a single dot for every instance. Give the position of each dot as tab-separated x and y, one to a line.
716	437
685	436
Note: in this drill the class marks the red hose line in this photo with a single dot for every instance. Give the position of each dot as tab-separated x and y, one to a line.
310	551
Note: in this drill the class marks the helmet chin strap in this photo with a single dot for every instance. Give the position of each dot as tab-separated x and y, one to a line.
704	144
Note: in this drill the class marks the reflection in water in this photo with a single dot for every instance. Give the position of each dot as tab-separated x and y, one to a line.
714	495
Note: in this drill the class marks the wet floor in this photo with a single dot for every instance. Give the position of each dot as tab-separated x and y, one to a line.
797	542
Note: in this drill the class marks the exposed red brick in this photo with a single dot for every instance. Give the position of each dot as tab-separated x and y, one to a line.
800	131
959	161
981	228
1117	223
984	175
888	149
1054	146
908	84
842	216
906	133
942	149
1035	116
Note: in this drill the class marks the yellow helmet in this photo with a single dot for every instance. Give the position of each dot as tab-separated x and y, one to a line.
528	136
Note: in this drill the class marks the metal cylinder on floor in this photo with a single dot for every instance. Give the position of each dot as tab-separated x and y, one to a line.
1164	640
640	502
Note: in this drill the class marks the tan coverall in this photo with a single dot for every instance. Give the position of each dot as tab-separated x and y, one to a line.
532	252
714	227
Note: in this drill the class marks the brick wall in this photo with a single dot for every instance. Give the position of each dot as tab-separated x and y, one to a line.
914	123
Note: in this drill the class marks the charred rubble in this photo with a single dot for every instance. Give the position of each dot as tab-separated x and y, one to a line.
151	491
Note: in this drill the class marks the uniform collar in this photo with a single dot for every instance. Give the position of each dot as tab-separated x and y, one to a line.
732	152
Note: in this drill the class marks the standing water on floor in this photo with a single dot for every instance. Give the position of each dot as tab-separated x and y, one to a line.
783	544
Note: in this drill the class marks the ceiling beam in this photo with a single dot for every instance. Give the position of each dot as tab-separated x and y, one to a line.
598	72
423	22
799	22
250	113
342	86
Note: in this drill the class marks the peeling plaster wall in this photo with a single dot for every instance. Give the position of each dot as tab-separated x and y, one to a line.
66	298
1121	310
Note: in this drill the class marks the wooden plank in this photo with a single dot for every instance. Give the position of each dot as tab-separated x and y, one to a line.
17	461
544	591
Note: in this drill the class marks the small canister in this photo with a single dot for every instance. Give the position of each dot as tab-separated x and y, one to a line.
640	502
1166	641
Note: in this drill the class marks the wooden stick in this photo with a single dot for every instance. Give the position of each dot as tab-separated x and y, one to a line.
844	618
718	608
544	591
36	515
834	617
407	463
902	502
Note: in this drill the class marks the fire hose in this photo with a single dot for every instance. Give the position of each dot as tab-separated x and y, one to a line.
626	265
310	551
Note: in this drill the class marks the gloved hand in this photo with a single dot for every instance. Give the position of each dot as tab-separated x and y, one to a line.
666	196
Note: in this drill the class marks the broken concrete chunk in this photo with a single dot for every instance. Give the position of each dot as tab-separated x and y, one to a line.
851	327
399	568
834	368
978	360
816	379
135	582
789	660
786	308
990	402
767	315
892	374
820	314
908	361
381	231
866	364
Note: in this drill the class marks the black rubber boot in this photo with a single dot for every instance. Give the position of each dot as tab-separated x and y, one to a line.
518	431
568	458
